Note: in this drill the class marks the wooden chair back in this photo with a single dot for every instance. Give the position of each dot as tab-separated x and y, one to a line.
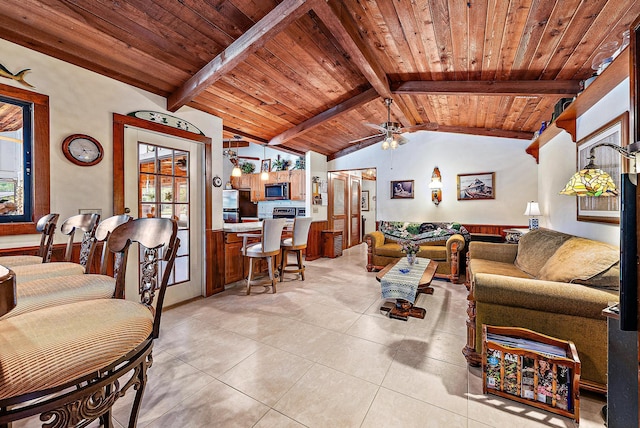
103	231
47	227
87	223
158	241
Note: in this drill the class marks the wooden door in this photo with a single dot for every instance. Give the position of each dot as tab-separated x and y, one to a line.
339	204
355	219
163	178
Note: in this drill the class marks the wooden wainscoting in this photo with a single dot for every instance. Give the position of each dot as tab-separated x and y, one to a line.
314	241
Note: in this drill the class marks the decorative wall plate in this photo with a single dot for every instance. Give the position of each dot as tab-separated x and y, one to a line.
217	181
82	150
166	119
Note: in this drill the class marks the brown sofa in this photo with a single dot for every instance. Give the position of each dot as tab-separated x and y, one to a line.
550	282
441	242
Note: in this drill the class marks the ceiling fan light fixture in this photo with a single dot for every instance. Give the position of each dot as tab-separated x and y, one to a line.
385	144
393	144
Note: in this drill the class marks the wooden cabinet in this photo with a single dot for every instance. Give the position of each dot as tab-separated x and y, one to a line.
236	266
295	178
298	186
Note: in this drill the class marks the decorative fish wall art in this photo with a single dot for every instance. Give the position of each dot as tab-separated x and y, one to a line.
18	77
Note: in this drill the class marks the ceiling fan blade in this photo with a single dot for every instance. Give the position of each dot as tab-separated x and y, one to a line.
401	140
376	126
429	126
366	138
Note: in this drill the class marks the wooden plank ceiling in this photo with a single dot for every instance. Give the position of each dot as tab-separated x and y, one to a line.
309	74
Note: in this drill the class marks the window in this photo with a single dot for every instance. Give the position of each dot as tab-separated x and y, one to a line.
163	191
16	148
24	159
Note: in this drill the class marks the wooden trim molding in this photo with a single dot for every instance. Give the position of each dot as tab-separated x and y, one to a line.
41	161
119	123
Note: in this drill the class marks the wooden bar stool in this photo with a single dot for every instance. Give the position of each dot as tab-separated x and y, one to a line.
71	363
47	227
296	244
87	223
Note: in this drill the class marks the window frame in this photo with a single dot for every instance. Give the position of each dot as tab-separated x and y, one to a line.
27	131
40	162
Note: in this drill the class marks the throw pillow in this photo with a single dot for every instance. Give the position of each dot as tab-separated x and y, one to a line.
581	259
536	247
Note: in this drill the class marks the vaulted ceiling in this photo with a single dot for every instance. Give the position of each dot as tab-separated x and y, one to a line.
309	75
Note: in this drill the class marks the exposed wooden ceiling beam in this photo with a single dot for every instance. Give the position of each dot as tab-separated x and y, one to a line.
489	132
341	24
332	113
275	21
354	148
233	132
489	87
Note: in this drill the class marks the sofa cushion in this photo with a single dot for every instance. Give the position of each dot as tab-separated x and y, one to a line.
582	259
433	252
498	268
536	247
543	296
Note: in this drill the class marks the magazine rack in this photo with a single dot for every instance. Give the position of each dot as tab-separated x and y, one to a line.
531	368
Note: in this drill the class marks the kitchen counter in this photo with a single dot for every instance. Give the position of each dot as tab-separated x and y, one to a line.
242	227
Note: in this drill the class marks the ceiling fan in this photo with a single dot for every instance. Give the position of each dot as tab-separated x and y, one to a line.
233	154
390	132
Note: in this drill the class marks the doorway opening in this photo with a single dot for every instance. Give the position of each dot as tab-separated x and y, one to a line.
352	204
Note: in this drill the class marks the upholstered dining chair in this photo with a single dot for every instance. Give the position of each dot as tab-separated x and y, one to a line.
295	244
268	248
71	363
60	290
46	225
86	223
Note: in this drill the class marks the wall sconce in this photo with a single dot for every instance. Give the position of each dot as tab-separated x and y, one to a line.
436	186
532	210
593	181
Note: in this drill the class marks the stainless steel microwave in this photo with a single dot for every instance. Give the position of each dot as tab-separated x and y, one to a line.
276	191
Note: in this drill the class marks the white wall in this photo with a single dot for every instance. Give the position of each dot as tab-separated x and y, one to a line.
558	164
516	177
82	102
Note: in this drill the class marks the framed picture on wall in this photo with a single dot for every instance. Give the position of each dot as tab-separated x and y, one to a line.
603	209
265	166
476	186
364	202
402	189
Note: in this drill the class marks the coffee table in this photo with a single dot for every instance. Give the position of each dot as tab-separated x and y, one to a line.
403	309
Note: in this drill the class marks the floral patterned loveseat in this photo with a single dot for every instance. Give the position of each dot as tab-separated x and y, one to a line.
441	242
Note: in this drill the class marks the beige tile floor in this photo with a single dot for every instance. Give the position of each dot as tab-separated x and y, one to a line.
319	354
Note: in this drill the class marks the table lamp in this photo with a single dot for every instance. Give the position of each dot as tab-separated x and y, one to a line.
532	210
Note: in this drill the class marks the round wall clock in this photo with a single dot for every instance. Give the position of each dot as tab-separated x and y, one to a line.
217	181
82	149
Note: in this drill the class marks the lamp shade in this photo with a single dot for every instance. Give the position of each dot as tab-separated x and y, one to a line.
590	182
533	208
236	172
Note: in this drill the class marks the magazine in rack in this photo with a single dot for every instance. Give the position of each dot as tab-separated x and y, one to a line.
531	368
